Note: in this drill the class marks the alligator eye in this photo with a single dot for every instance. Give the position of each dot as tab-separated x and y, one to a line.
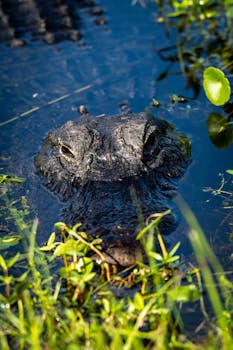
150	144
151	140
66	151
150	148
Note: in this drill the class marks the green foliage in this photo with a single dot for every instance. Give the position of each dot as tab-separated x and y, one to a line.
197	9
203	31
8	178
57	297
218	91
220	294
216	86
6	242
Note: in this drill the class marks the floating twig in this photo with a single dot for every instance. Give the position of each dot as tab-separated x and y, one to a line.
34	109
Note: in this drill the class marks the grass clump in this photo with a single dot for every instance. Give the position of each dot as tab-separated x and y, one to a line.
57	297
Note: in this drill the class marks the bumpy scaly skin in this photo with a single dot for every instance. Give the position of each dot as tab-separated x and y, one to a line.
29	19
115	171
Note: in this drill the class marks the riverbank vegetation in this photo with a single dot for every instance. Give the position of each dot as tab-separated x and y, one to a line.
57	297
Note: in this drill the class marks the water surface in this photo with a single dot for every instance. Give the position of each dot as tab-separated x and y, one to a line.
115	63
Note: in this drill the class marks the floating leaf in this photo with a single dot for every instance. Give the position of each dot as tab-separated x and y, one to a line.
216	86
219	130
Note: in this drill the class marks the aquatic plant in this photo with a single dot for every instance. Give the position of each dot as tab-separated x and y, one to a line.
203	31
218	90
216	86
203	49
57	297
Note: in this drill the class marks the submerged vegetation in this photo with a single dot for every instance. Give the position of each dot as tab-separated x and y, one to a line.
57	297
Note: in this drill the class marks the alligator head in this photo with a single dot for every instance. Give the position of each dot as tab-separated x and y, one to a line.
115	172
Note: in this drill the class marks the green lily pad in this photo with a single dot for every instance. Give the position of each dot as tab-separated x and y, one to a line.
216	86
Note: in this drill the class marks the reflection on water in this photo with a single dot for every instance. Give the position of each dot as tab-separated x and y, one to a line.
119	65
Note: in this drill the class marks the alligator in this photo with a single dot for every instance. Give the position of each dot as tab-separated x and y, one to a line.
114	172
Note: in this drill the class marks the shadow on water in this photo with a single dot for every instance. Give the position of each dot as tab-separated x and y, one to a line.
116	64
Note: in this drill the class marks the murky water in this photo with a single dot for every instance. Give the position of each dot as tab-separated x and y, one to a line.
115	63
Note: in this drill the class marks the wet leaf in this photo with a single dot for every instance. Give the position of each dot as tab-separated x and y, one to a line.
70	247
85	264
7	242
3	263
76	227
219	130
50	244
156	256
13	260
174	249
216	86
51	239
106	305
60	226
138	301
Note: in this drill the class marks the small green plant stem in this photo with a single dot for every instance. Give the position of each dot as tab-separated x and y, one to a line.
107	271
31	248
7	283
205	258
138	324
202	304
3	341
33	323
63	238
21	324
162	245
4	266
90	245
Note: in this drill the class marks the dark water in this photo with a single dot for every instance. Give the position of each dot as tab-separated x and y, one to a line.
116	63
